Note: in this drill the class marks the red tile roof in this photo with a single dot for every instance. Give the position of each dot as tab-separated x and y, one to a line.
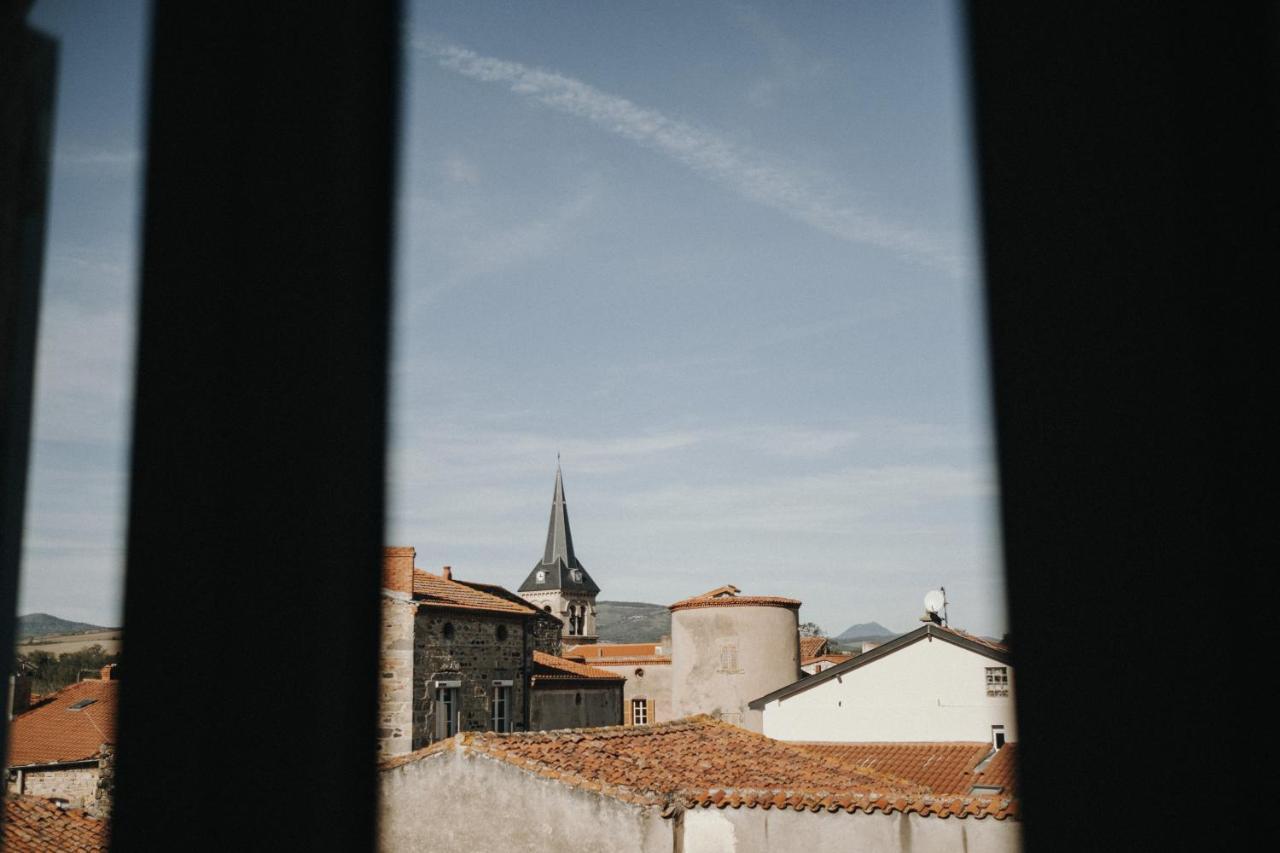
727	596
610	662
991	644
943	768
702	762
33	824
835	658
52	732
811	647
549	668
434	591
591	651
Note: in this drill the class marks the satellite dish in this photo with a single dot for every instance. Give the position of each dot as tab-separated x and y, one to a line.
934	600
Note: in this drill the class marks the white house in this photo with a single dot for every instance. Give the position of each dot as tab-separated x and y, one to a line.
933	684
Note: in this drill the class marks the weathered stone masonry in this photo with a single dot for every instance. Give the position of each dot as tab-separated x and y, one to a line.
476	649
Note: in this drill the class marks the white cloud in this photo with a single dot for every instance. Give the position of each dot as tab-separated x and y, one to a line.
749	173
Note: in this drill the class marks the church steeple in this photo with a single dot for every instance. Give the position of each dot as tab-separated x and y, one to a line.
559	539
559	568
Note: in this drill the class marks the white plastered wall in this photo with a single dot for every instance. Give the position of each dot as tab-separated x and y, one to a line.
931	690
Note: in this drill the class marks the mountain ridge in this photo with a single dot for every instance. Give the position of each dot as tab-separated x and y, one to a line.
45	624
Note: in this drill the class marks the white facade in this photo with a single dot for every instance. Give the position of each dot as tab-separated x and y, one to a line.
928	689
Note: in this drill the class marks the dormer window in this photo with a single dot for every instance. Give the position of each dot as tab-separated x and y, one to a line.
576	575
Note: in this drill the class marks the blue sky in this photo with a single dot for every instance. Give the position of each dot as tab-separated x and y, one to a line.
718	256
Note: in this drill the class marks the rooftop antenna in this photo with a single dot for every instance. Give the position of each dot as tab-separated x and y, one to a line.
935	606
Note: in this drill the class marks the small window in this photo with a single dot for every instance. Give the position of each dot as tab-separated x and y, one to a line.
577	699
502	633
729	657
997	681
639	672
640	712
997	736
81	705
448	630
502	708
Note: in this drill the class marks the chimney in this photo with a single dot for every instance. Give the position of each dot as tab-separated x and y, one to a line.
19	693
397	569
108	672
447	571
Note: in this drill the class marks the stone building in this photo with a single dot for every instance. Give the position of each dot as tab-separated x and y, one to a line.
567	694
647	670
63	747
461	656
558	583
689	785
727	649
456	656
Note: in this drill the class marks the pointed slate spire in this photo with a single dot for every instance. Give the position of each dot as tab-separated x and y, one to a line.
559	539
559	567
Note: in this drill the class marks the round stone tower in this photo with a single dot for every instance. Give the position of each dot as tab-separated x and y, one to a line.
727	649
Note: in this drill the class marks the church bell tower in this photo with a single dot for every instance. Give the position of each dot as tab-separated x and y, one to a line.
559	583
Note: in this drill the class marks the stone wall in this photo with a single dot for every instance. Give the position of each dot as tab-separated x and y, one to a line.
78	785
575	707
547	631
395	677
476	649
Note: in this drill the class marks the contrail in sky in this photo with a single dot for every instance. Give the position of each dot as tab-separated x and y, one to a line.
747	172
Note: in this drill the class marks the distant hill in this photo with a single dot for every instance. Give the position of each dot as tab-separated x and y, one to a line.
42	625
632	621
873	631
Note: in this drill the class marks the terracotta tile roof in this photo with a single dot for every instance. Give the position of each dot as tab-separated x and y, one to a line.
33	824
52	732
434	591
549	668
1002	770
727	596
590	651
833	658
983	641
812	647
609	662
701	762
943	768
